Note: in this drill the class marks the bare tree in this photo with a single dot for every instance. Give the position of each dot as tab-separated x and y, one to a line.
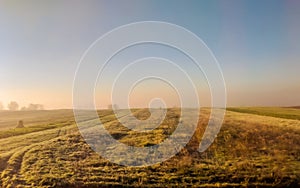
13	106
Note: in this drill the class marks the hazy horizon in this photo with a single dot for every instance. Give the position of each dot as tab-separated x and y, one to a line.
204	107
256	43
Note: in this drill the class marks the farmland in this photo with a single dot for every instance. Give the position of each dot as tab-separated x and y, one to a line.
255	147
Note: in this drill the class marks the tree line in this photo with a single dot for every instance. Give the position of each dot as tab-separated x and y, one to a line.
14	106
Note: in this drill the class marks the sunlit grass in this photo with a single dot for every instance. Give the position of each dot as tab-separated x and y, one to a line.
286	113
250	150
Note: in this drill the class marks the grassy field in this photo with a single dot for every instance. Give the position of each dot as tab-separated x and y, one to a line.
256	147
287	113
9	119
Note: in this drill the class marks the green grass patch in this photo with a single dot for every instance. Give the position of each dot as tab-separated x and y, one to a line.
278	112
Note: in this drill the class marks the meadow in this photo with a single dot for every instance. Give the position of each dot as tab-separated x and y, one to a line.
256	147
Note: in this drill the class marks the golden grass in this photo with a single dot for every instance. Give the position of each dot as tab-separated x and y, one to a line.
250	150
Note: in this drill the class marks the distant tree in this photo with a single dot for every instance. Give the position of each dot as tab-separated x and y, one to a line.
113	106
13	106
1	106
33	107
41	107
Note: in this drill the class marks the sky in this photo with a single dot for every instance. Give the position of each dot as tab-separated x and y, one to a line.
256	43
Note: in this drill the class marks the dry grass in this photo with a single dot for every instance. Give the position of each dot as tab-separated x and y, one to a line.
10	119
250	151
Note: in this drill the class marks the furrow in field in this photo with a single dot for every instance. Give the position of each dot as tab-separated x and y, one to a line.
11	176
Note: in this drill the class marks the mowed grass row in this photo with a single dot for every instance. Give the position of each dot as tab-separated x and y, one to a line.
14	146
9	119
250	150
26	136
46	123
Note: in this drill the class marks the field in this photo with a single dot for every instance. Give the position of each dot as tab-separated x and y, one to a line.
256	147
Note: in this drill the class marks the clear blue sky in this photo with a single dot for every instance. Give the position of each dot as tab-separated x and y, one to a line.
257	44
